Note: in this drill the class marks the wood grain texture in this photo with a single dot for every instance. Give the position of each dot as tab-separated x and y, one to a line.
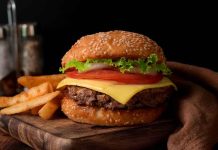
62	133
9	143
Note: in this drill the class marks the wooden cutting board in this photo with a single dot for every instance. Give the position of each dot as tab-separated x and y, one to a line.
62	133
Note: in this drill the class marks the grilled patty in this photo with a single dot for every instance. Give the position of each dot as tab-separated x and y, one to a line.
146	98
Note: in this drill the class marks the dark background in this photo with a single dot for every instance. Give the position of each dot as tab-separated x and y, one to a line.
186	31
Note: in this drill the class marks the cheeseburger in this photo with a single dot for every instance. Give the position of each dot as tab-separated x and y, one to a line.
115	78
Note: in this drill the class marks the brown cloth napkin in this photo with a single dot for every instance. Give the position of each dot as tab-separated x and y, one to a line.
197	108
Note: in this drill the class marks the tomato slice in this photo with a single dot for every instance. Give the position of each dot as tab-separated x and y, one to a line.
128	78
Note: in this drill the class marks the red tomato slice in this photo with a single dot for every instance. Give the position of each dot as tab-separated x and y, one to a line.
129	78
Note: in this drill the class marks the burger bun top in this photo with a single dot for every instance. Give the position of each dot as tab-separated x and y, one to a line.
113	44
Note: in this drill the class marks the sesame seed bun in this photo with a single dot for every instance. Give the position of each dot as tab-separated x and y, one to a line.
113	44
106	117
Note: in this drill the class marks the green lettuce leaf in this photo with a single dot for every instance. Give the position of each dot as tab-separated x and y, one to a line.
124	65
80	66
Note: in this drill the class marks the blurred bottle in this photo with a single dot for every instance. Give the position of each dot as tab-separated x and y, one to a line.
31	58
7	68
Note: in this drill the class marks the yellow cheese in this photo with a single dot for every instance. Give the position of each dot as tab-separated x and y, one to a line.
120	92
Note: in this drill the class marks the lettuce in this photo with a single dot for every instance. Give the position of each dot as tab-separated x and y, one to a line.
81	66
123	64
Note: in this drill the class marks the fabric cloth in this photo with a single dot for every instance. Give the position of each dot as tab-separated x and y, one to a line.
197	103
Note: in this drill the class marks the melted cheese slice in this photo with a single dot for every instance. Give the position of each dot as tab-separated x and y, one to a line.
119	92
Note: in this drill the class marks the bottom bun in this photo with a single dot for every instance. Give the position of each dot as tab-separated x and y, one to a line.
106	117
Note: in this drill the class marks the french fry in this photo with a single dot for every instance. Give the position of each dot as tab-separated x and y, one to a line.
26	112
5	101
31	81
35	110
39	90
27	105
48	110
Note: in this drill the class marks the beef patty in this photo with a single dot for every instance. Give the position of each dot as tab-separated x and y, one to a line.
146	98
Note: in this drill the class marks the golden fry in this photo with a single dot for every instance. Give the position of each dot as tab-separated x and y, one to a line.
27	105
31	81
39	90
35	110
26	112
48	110
5	101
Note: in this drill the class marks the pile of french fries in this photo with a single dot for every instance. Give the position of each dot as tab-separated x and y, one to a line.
41	97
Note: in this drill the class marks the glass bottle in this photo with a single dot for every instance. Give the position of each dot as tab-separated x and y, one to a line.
31	58
7	68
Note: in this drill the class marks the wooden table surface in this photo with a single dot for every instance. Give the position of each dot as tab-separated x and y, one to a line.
32	129
9	143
